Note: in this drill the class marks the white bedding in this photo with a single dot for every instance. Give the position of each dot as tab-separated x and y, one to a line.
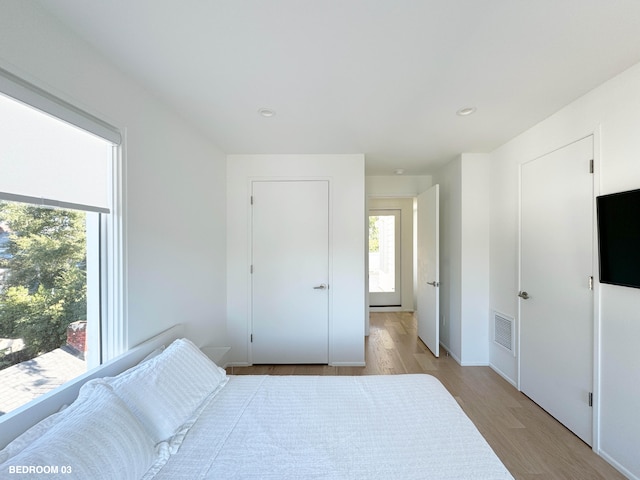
385	427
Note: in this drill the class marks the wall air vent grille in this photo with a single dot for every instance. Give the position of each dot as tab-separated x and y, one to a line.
503	333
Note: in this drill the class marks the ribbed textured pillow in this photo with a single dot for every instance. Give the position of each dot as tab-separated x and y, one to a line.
40	428
99	439
165	391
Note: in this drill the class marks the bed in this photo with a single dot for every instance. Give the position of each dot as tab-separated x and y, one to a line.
177	415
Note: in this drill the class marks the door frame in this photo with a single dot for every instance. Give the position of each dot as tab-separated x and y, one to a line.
596	134
249	253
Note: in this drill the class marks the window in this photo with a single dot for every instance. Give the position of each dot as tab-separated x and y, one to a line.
60	263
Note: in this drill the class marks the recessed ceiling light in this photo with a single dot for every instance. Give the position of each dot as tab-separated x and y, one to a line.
266	112
463	112
399	171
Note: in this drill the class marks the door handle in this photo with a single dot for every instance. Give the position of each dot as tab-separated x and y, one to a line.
523	295
434	284
322	286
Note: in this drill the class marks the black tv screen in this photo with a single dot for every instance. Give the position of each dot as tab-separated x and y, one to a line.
619	238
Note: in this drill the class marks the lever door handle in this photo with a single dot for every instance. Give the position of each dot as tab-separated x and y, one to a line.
434	284
523	295
322	286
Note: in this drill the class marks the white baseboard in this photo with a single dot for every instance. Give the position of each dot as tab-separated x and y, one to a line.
503	375
347	364
618	467
448	352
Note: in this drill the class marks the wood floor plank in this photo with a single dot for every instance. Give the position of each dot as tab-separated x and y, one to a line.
531	443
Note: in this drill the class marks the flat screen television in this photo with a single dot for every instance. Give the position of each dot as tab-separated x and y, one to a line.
619	238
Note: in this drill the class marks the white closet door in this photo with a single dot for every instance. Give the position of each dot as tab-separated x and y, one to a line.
290	279
556	312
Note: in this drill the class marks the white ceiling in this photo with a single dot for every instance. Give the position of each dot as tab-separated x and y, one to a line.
379	77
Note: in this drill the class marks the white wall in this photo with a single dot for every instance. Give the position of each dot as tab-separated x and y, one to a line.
464	258
609	112
474	287
397	185
347	271
175	178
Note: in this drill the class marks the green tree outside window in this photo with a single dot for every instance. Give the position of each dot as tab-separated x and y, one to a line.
45	287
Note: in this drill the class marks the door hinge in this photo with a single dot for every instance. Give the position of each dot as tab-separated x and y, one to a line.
590	166
251	199
251	269
252	338
590	283
591	399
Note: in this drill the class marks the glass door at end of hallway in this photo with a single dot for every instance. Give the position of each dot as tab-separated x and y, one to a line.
384	258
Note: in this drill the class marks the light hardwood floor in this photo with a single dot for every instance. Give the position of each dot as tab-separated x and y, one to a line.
530	443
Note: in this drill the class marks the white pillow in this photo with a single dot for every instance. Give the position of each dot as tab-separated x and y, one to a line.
40	428
98	439
165	391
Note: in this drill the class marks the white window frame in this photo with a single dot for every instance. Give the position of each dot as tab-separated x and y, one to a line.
114	324
111	288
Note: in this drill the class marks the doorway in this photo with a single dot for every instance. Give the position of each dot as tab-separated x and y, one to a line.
404	258
385	248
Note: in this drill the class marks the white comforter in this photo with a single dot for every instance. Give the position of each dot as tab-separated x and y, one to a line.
369	427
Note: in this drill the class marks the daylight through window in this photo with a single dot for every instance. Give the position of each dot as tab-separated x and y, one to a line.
56	192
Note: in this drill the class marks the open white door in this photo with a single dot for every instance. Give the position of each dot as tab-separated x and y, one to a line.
428	252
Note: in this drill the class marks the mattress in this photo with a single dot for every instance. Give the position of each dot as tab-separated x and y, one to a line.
307	427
